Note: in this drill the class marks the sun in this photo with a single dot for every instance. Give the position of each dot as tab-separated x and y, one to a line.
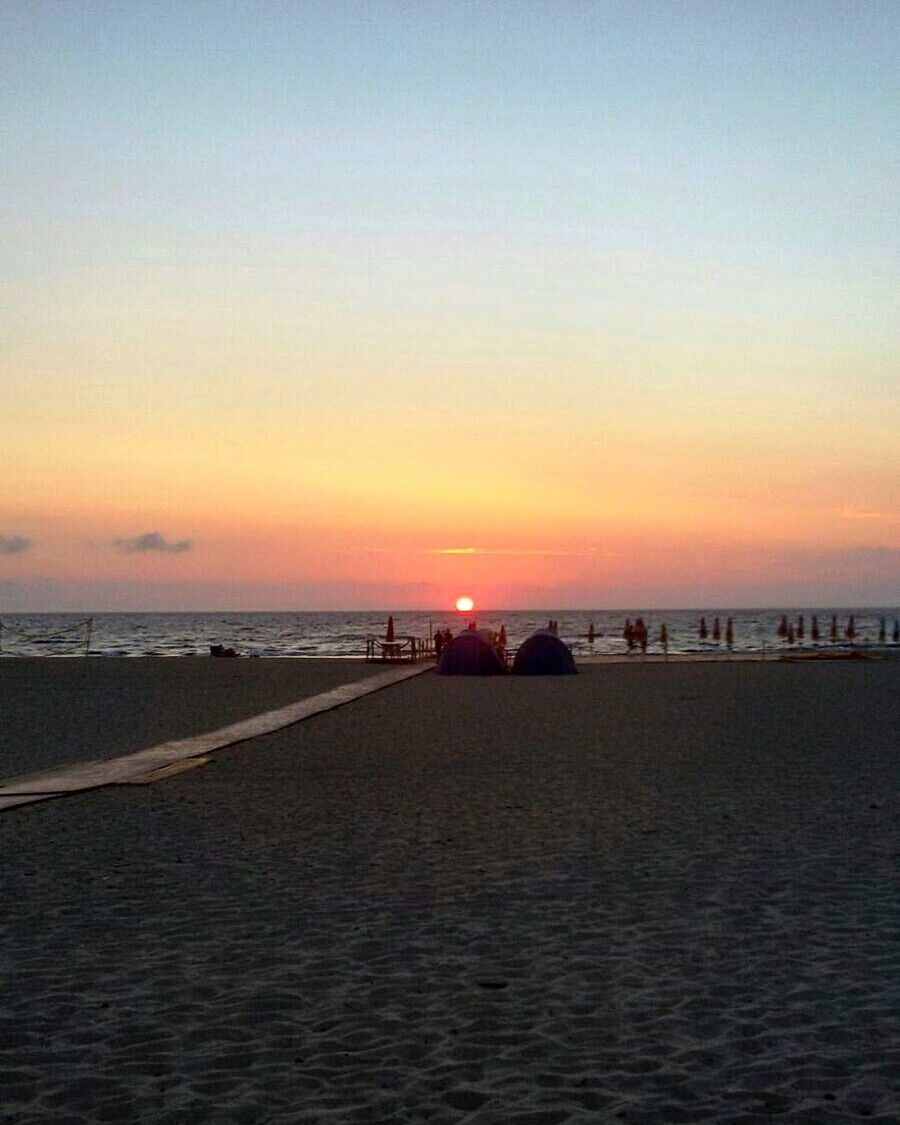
465	604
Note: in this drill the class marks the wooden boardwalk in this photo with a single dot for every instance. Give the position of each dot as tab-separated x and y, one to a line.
170	758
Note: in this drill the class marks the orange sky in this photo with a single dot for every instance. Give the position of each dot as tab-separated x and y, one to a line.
385	322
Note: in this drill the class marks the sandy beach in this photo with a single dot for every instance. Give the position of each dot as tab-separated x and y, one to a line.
60	711
648	893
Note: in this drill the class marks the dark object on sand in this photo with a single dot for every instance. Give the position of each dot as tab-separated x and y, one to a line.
389	633
795	657
470	655
882	631
850	631
544	654
221	650
717	632
782	630
814	633
501	640
729	633
703	632
833	635
591	633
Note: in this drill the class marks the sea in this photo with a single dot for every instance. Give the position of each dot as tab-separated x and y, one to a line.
343	634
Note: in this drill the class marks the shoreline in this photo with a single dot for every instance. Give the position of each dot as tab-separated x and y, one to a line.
767	656
874	650
301	636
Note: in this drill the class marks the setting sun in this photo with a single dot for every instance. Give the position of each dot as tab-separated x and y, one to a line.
465	605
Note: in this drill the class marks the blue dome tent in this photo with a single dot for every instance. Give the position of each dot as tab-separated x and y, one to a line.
544	654
470	655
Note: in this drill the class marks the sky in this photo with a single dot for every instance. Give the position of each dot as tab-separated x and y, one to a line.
368	305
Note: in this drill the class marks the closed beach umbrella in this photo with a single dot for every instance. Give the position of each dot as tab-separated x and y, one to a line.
800	627
702	628
717	632
790	635
783	627
729	633
834	630
502	638
591	633
850	631
389	635
882	632
814	632
664	637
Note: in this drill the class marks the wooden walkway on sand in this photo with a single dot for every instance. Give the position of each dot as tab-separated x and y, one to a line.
170	758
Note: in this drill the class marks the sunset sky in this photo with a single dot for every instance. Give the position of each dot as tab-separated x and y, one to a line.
366	305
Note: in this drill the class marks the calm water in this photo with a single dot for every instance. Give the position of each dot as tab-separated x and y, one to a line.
342	634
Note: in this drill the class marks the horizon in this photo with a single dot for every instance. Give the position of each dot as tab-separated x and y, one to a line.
377	304
711	608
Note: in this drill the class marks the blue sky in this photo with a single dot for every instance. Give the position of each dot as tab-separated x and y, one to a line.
619	228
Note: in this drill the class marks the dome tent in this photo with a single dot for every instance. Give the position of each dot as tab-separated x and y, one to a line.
470	655
544	654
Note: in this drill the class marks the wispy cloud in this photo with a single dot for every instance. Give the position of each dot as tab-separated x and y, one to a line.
873	554
544	552
153	541
14	544
547	552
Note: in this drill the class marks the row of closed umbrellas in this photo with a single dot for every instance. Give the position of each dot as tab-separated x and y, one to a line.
788	631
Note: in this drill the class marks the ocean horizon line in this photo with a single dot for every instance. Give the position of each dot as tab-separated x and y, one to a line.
710	607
